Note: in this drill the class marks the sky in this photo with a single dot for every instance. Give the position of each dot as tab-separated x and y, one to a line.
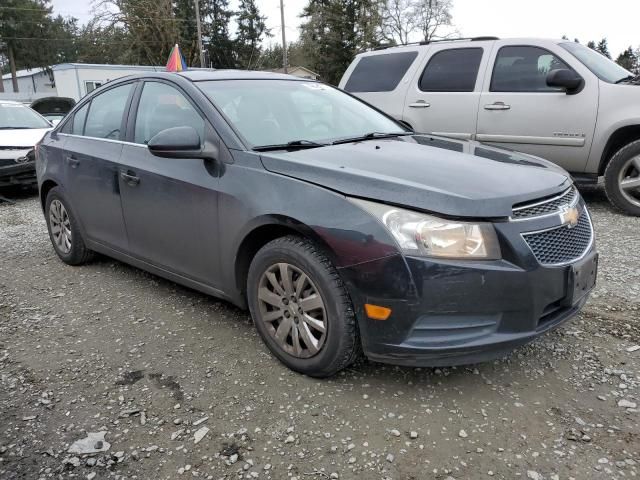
583	19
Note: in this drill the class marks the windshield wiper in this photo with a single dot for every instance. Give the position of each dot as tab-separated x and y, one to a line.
372	136
294	144
628	78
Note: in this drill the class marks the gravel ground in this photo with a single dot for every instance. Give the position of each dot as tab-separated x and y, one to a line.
150	367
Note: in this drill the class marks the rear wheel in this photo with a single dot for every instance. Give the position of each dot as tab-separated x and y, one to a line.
622	179
301	307
64	231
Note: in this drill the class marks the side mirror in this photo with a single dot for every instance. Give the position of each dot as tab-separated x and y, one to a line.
566	79
180	142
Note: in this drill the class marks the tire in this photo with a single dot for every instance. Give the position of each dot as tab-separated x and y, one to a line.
339	345
73	251
619	167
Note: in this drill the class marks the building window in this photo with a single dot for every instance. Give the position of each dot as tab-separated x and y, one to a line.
91	85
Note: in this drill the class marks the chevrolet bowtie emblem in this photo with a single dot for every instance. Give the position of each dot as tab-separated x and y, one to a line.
569	216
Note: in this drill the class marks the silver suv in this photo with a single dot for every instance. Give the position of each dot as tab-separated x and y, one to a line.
553	98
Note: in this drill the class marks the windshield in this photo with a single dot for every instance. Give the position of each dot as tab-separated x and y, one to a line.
14	115
277	112
604	68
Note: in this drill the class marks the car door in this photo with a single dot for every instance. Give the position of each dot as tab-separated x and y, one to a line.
91	158
169	204
519	111
444	94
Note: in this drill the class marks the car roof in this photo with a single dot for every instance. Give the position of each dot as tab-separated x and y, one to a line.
200	75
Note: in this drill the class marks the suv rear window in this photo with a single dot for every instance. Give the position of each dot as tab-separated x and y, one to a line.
454	70
380	73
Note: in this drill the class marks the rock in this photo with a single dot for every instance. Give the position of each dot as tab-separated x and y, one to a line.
394	432
267	466
289	439
128	413
633	348
533	475
352	460
29	417
200	433
198	422
233	458
462	434
334	475
93	443
390	458
351	446
413	434
177	433
627	404
91	476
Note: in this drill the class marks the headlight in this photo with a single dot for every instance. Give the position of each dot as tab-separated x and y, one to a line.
426	235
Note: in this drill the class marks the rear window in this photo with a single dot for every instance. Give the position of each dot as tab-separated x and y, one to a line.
380	73
454	70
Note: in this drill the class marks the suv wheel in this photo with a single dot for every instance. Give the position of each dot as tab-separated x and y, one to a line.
301	307
63	230
622	179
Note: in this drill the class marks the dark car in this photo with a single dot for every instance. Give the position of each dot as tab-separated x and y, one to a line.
337	227
53	109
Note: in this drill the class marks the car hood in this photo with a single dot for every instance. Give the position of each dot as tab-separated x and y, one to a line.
24	137
450	177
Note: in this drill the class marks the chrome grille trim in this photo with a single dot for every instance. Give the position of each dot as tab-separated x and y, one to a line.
541	255
547	207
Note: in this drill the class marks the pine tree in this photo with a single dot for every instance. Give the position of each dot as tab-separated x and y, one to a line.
592	45
630	59
603	48
334	31
251	30
216	17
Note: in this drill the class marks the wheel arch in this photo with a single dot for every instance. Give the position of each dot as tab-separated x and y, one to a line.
268	229
46	187
618	139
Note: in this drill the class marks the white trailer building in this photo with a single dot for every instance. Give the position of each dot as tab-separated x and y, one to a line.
72	80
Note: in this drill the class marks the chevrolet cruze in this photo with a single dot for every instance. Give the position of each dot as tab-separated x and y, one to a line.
340	230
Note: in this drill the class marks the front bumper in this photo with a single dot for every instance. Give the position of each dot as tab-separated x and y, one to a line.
447	313
23	174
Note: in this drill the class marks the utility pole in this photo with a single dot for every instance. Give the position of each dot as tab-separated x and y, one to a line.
284	39
202	64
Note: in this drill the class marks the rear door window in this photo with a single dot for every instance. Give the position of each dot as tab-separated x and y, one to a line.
524	69
105	115
380	73
454	70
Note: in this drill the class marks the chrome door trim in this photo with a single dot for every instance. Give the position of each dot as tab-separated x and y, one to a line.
523	139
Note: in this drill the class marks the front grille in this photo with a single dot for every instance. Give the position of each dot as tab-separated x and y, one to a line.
561	244
545	206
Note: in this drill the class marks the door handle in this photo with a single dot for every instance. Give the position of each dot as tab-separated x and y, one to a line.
497	106
129	177
420	104
72	161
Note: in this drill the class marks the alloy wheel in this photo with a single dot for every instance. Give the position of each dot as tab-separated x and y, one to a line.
293	310
629	180
60	226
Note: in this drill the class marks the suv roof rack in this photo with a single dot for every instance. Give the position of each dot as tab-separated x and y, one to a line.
427	42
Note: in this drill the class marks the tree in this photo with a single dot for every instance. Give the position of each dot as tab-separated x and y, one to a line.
592	45
603	48
251	30
399	21
30	37
218	44
432	16
334	31
630	59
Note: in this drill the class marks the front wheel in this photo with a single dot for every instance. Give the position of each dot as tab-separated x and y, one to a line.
301	308
622	179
